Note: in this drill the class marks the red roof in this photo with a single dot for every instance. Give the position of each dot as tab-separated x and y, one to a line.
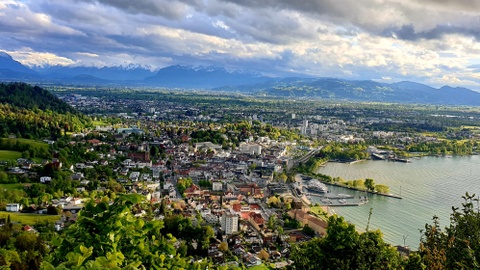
254	206
245	215
237	207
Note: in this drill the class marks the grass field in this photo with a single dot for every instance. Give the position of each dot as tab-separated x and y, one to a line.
12	186
9	155
28	141
29	219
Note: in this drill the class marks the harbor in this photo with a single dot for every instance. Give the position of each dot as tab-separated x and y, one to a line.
319	192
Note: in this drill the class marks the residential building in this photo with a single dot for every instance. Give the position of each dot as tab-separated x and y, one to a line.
229	222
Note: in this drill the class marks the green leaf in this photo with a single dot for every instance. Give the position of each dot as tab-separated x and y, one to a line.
85	250
132	198
139	223
57	241
111	236
46	266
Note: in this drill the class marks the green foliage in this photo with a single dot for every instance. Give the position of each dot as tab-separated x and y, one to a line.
34	148
182	228
30	97
212	136
20	249
345	248
35	123
382	189
291	223
109	236
370	184
443	147
205	183
458	246
308	231
343	151
183	184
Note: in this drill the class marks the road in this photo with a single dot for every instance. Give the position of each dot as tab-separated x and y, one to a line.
303	159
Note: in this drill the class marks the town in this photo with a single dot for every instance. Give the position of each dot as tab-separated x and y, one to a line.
232	168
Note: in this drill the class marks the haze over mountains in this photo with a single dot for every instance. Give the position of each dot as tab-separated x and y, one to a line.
219	79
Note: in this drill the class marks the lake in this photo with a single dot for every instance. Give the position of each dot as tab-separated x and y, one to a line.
429	186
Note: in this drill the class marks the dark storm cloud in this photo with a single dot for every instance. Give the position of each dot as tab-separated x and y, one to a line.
164	8
351	38
407	32
429	18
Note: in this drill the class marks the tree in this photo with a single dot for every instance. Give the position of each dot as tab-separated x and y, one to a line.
432	246
263	255
382	189
273	201
272	222
25	241
154	151
223	247
345	248
308	231
458	246
370	184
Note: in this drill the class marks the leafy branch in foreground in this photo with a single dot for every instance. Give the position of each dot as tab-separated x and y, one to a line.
111	237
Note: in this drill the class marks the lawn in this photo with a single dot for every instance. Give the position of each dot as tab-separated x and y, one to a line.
13	186
100	123
27	141
8	155
29	219
319	210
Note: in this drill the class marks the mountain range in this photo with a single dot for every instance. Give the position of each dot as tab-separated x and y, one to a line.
219	79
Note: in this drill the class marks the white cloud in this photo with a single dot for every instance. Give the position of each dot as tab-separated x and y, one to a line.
433	41
31	58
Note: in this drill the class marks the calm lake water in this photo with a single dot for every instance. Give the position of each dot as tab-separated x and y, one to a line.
429	186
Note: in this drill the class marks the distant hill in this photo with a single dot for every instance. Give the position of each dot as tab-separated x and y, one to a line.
338	89
219	79
8	63
29	97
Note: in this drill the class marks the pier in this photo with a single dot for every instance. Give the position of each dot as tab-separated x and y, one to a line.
338	196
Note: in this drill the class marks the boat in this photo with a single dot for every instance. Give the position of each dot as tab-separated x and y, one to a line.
405	160
317	186
326	201
376	156
342	201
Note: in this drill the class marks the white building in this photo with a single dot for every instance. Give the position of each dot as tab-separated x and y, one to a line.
252	149
13	207
134	176
229	222
217	186
45	179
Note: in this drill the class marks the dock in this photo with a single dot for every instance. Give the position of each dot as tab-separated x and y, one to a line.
338	196
346	204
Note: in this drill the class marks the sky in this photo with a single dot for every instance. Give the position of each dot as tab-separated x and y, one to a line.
435	42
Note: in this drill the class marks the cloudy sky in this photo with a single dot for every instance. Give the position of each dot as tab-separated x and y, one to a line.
429	41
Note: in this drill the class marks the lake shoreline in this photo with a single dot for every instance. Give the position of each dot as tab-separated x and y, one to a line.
429	186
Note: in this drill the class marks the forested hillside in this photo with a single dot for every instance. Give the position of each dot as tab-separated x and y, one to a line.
31	112
30	97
